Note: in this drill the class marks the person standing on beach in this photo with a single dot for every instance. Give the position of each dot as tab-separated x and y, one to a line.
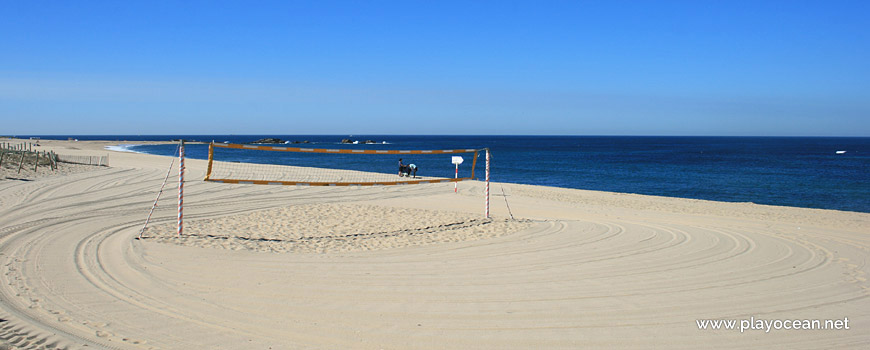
401	167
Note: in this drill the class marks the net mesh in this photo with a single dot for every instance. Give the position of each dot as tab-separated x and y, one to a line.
347	166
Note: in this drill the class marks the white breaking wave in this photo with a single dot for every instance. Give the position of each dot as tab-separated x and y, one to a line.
123	148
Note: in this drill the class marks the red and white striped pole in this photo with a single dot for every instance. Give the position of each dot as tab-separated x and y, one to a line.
456	183
486	214
181	188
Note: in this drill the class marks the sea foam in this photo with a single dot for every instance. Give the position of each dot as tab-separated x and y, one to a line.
123	148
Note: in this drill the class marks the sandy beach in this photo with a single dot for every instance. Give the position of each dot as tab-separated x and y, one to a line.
410	267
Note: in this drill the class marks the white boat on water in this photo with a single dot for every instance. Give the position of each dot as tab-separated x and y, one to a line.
841	152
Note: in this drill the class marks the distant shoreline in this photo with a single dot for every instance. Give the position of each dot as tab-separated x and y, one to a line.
718	169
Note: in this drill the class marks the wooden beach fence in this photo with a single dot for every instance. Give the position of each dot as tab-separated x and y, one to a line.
24	153
86	160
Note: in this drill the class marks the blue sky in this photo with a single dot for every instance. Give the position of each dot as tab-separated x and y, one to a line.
765	68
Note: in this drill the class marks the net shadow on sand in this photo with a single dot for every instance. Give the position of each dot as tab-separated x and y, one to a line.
334	227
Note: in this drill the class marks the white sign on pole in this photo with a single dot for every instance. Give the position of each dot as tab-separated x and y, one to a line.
457	160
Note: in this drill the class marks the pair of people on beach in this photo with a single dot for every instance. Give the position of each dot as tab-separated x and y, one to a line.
407	170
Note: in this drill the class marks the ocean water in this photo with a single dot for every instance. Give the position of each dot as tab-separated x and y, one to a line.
788	171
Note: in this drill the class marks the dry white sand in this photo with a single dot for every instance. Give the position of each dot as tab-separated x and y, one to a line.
330	227
402	267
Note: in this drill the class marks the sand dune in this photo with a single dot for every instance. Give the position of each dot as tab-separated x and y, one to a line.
401	267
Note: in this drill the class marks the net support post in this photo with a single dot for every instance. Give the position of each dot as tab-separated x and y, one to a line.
456	176
486	190
180	188
210	160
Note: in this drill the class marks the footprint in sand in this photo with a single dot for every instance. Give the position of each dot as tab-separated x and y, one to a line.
134	341
95	324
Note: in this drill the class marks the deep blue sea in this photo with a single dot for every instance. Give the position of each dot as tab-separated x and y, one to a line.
788	171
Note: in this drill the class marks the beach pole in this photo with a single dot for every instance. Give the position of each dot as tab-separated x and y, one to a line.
456	161
210	160
486	213
180	188
456	176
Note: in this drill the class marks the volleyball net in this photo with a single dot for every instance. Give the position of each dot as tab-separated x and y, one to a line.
279	165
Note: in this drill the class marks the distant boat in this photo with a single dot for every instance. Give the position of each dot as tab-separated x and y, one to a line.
841	152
